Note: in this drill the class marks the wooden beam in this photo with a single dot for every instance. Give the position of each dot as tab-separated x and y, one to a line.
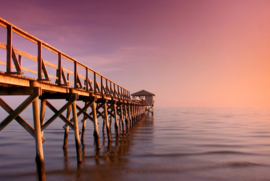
115	118
59	96
42	112
86	79
96	134
58	113
76	134
66	128
122	118
16	62
17	111
65	119
9	48
75	74
18	90
126	118
59	72
79	82
19	119
107	121
38	138
10	80
45	71
39	68
64	78
83	110
88	116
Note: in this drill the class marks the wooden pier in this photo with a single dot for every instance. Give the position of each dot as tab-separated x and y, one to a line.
71	84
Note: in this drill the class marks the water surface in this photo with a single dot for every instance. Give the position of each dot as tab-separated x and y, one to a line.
175	144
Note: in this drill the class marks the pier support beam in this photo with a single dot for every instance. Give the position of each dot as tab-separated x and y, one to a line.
67	128
107	121
96	134
38	140
115	118
130	116
77	136
126	118
83	124
38	136
42	113
122	118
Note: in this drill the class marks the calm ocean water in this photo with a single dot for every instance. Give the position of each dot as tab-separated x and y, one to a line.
175	144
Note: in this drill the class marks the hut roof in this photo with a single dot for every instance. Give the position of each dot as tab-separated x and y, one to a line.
143	93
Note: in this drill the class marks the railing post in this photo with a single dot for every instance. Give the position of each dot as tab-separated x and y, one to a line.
75	74
111	93
95	83
59	75
114	90
118	91
87	79
107	90
101	79
39	60
9	48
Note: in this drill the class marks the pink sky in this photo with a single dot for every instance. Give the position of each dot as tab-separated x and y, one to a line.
189	53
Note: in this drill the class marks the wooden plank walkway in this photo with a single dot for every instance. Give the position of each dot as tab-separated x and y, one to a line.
105	97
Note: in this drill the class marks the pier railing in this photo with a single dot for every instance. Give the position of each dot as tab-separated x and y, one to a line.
81	77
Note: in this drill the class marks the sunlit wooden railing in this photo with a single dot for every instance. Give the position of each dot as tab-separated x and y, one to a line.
98	85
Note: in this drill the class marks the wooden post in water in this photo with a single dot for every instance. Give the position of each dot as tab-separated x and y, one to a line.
134	108
76	129
115	118
96	134
38	136
126	118
103	126
122	119
138	113
42	113
107	121
130	116
67	128
110	124
83	124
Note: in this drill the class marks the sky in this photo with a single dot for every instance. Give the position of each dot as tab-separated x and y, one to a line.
189	53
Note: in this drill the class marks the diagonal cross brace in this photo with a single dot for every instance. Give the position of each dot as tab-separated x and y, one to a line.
61	115
84	113
58	113
19	119
82	110
18	110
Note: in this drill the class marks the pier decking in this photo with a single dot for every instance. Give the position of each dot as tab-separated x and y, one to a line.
72	81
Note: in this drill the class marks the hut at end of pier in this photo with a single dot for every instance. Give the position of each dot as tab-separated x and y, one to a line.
149	100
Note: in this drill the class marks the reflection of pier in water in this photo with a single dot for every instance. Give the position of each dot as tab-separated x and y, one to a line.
100	164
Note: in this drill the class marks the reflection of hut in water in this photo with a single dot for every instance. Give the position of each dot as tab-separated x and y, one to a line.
149	100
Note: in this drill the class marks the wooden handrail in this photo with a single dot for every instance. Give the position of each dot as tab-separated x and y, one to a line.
103	86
